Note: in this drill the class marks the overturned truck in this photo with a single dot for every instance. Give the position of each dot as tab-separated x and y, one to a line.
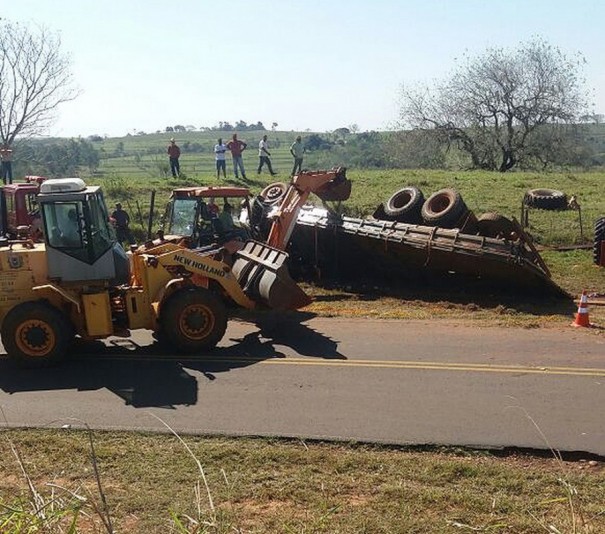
410	238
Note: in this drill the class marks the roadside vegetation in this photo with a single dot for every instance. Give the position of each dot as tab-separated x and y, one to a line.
153	483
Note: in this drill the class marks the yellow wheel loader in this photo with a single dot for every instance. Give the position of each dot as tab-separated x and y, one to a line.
80	282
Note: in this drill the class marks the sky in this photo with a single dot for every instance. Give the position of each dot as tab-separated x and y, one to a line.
142	65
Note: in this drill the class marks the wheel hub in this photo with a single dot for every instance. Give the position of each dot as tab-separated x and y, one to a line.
196	321
35	338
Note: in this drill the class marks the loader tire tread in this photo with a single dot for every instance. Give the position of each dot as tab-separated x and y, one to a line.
36	334
192	320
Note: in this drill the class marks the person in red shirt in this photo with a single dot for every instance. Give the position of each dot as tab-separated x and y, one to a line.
237	147
174	152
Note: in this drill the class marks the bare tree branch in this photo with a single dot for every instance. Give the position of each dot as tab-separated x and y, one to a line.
493	105
35	78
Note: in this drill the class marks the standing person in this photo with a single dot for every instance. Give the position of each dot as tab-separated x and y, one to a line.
297	150
122	222
219	154
264	156
237	147
6	154
174	153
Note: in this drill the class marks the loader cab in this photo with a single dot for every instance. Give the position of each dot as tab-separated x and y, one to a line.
80	242
189	213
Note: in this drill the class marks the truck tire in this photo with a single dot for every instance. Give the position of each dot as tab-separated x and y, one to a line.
445	209
193	319
404	205
546	199
36	334
273	193
599	237
494	225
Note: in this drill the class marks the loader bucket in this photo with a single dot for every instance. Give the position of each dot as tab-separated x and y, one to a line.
262	272
337	189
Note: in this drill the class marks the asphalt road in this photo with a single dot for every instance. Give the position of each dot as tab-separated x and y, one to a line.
380	381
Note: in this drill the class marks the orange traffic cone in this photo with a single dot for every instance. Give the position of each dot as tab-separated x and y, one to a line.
582	315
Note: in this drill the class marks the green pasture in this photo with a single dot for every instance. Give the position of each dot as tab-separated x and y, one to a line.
143	154
142	167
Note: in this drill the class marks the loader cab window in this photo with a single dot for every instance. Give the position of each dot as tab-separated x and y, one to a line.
101	232
64	225
78	228
182	217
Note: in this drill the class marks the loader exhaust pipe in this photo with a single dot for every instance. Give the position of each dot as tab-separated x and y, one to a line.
262	272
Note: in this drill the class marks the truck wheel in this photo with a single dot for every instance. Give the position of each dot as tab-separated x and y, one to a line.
193	319
445	209
273	192
546	199
404	206
36	334
494	225
599	237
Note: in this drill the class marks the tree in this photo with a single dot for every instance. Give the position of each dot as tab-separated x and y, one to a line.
341	132
494	105
316	142
35	78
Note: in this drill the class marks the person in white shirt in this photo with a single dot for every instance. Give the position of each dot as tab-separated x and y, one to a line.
219	154
264	156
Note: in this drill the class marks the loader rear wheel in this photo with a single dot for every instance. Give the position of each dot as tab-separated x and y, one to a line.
36	334
193	320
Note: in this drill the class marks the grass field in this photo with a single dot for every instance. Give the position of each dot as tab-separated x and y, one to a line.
140	169
130	178
278	486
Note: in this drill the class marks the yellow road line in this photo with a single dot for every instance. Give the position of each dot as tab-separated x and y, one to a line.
440	366
381	364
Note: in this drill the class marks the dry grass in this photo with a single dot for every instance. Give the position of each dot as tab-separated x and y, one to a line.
291	486
475	309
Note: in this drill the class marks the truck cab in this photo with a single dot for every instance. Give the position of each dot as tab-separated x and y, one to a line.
19	208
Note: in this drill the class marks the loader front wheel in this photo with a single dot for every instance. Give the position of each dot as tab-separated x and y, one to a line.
193	320
36	334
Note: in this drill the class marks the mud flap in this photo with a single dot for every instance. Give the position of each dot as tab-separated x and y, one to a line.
262	272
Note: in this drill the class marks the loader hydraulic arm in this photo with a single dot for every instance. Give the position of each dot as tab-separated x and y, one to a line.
327	185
